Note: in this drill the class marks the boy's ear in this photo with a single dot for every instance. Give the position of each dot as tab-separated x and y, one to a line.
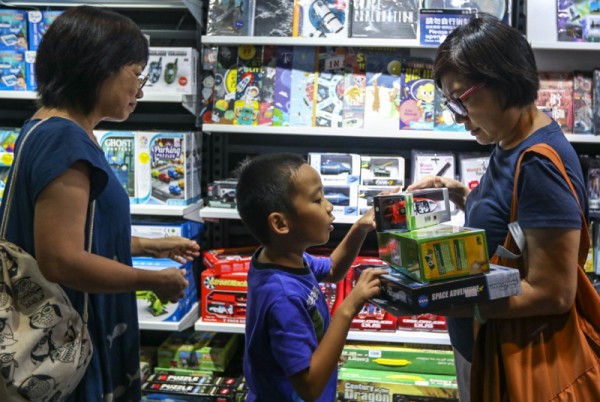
278	223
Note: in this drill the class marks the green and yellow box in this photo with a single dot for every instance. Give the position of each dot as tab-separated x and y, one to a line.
356	385
435	253
398	359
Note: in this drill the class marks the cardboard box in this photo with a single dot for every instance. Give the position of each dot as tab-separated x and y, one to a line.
411	210
356	385
221	193
224	296
336	169
343	198
402	296
38	23
382	171
171	71
399	359
119	150
435	253
228	260
13	30
13	70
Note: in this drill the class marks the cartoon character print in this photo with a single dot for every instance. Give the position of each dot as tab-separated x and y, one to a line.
37	387
8	364
28	292
7	337
6	295
425	97
66	353
9	261
45	317
43	349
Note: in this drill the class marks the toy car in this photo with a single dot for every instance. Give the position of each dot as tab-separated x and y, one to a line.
175	189
173	174
164	177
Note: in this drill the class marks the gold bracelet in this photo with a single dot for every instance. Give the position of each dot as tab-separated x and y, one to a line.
477	314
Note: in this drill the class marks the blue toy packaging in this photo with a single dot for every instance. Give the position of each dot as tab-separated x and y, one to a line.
13	30
37	25
12	71
119	149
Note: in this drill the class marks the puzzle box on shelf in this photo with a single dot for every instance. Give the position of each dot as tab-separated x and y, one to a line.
171	71
435	253
411	210
401	295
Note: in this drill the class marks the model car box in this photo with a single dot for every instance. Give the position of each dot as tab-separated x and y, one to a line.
366	195
38	23
13	29
343	198
149	306
411	210
228	260
224	296
221	193
399	359
381	171
171	71
335	168
435	253
355	385
12	70
172	176
402	295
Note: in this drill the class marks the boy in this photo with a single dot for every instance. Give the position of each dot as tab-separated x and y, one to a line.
292	344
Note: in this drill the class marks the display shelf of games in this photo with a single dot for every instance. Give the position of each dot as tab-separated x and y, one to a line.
429	338
105	3
152	97
186	322
292	41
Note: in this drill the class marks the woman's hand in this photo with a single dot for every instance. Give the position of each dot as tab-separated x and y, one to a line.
457	191
170	285
176	248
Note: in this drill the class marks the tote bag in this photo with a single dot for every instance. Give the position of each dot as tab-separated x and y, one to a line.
539	359
44	343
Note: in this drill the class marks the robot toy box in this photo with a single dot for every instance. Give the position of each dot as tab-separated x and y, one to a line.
401	295
411	210
171	71
435	253
224	297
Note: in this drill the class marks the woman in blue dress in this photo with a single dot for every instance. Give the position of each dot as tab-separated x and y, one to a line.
89	69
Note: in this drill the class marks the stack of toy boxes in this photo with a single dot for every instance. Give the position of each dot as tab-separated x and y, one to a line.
8	137
155	168
396	371
224	284
340	175
37	25
13	44
434	266
170	385
171	71
378	174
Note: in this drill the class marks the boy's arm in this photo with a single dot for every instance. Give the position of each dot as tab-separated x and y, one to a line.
344	254
310	383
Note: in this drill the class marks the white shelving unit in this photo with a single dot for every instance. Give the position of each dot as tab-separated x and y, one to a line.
429	338
168	98
186	322
189	212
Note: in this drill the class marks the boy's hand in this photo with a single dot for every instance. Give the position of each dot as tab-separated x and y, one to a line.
367	286
366	223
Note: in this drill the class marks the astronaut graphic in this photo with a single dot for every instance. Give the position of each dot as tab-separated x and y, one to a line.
28	292
47	316
8	364
6	334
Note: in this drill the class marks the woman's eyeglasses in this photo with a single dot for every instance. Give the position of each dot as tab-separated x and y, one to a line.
142	79
457	106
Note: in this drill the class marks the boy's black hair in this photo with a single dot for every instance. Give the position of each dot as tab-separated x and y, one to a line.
487	50
265	186
82	48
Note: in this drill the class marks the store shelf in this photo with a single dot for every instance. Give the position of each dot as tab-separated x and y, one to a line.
337	132
187	322
212	213
569	46
150	97
189	212
105	3
288	41
430	338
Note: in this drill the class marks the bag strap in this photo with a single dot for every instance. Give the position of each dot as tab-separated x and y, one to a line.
550	153
7	200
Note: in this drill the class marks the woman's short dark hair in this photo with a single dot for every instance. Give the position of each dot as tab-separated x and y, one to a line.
266	185
82	48
488	50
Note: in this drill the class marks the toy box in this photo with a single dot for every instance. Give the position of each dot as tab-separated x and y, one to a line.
149	306
12	71
336	169
321	19
366	194
343	198
119	150
8	136
171	71
208	351
13	30
427	322
30	77
401	295
38	23
411	210
435	253
172	171
154	228
381	170
399	359
355	385
221	193
224	297
228	260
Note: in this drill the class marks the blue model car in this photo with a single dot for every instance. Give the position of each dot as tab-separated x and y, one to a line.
175	189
